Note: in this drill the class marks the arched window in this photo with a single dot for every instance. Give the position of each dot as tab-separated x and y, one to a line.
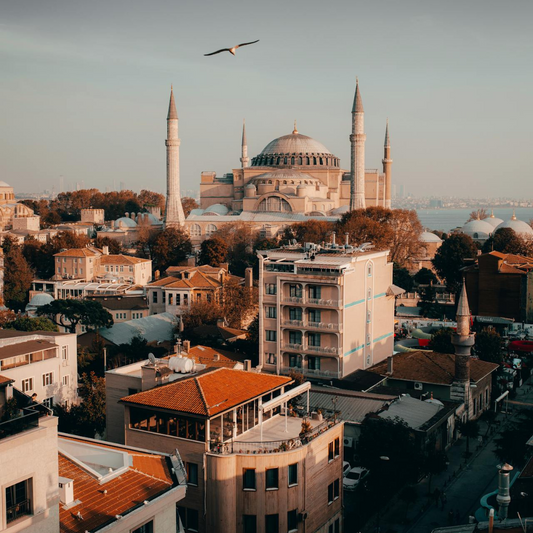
211	228
278	160
196	230
292	160
321	161
307	159
276	204
285	161
300	160
314	160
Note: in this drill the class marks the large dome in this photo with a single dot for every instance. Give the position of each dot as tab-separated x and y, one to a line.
493	221
519	226
478	229
295	149
427	236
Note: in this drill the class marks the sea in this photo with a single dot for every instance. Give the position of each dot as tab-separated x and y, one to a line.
448	219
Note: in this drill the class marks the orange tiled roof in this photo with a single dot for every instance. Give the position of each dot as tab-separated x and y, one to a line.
205	355
209	393
431	367
148	477
199	280
121	259
4	380
77	252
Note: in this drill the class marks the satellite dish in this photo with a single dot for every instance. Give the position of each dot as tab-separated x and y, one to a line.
152	359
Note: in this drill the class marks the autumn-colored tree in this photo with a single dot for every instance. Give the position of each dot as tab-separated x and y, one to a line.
506	241
6	316
239	303
114	246
213	252
188	205
316	231
266	244
152	199
18	276
170	247
202	313
240	239
478	214
451	257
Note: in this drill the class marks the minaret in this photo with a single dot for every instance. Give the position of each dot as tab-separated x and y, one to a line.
245	160
463	340
174	211
357	140
387	167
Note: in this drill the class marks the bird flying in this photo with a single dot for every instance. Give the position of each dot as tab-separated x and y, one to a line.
231	50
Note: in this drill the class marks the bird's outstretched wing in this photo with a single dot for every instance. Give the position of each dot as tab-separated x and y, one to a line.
218	52
245	44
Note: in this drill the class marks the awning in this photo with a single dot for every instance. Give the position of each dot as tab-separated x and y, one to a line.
494	320
394	290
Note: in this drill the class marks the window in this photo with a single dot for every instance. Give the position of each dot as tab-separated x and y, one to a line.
313	363
170	299
27	384
272	475
274	203
196	230
335	527
292	520
271	523
330	493
18	500
369	294
369	269
48	379
271	358
178	299
337	446
336	489
369	316
271	312
192	474
66	380
48	402
64	353
154	297
295	313
315	291
293	474
313	339
295	337
315	315
211	228
295	291
295	361
189	518
145	528
330	452
270	288
248	479
249	523
163	297
270	335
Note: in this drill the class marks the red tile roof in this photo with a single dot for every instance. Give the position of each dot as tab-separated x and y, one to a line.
121	259
431	367
209	393
4	380
77	252
205	355
148	477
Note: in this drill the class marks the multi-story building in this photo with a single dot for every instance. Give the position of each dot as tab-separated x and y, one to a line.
29	499
123	308
325	312
250	466
42	364
77	263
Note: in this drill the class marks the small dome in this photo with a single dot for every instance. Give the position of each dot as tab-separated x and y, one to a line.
125	222
250	186
493	221
427	236
216	209
478	229
519	226
340	210
301	186
41	299
154	220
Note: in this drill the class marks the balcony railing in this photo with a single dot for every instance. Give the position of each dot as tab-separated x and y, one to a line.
295	347
22	508
315	325
28	419
326	350
298	323
323	302
310	372
293	300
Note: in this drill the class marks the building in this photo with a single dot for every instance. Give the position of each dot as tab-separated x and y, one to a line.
482	229
132	227
42	364
501	285
429	244
118	488
123	307
77	263
325	312
79	289
29	499
249	467
93	216
294	178
125	269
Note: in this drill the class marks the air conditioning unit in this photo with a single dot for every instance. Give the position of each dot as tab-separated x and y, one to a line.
348	442
419	386
302	516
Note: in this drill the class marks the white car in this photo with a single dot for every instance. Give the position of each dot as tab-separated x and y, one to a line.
354	477
345	467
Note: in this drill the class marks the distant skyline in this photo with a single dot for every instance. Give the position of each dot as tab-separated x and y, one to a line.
85	89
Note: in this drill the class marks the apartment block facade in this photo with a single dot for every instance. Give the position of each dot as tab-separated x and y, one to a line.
324	312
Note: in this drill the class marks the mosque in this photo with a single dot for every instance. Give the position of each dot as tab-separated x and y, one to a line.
481	229
295	178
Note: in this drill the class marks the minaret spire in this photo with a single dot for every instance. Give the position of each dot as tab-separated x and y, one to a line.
357	140
387	167
245	160
174	215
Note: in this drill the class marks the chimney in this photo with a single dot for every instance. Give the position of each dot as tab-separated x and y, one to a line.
66	490
247	365
105	250
249	278
186	346
157	275
216	357
504	497
9	392
221	323
333	238
389	365
491	520
224	266
347	239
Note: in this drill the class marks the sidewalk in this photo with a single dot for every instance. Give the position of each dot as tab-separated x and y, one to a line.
464	482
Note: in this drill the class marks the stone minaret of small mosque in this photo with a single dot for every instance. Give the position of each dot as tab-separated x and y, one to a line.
387	167
357	140
245	160
174	215
463	340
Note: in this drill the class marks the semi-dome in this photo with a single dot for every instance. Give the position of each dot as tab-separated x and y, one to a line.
519	226
478	229
125	222
287	176
427	236
216	209
295	149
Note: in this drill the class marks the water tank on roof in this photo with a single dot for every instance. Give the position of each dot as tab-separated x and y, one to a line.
183	365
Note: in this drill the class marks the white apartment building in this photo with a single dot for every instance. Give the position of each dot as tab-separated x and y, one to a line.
41	363
325	312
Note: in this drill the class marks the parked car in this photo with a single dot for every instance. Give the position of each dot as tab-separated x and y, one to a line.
354	477
345	467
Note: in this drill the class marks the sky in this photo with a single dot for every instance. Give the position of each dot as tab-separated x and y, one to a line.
84	88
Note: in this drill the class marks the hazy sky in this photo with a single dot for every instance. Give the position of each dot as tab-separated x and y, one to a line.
84	88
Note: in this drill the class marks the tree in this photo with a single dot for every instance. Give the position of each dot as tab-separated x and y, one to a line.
188	205
470	430
488	346
506	241
402	278
511	445
70	313
200	314
18	276
441	341
26	323
425	276
213	252
151	199
240	239
171	247
451	257
478	214
435	462
114	246
238	304
315	231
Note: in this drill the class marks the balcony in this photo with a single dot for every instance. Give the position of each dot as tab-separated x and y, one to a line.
323	325
322	302
309	372
297	323
328	350
23	420
293	347
293	300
